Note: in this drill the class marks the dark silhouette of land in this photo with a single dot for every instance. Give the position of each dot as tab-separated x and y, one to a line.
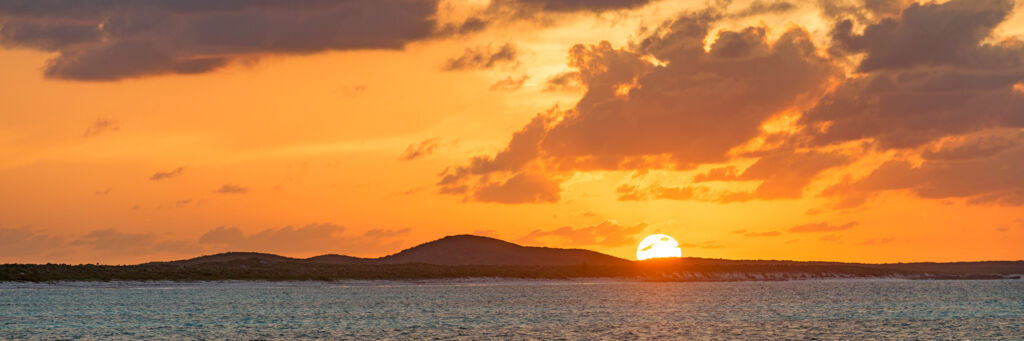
465	256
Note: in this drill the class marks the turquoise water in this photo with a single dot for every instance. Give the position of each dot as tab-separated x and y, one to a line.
516	309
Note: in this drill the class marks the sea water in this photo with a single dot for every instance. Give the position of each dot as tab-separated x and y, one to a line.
514	309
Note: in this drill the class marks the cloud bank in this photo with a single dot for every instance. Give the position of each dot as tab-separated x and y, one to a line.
930	86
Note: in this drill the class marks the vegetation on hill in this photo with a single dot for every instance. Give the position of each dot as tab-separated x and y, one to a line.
472	256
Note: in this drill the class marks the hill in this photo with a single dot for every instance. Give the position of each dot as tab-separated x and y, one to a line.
474	256
450	250
476	250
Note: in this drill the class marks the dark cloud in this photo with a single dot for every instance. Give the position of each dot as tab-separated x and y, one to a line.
162	175
949	34
821	227
105	191
606	234
759	7
975	147
565	81
931	80
526	9
417	150
928	73
677	114
101	126
934	79
687	110
510	83
114	39
325	238
231	189
484	58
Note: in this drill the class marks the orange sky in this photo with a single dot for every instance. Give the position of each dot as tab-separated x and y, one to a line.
757	129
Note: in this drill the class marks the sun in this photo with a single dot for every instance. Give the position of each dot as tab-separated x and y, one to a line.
658	246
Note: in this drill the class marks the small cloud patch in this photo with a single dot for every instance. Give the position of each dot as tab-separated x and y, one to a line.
231	189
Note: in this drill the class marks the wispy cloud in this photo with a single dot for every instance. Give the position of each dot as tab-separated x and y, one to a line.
821	227
608	234
421	149
163	175
484	58
101	126
231	189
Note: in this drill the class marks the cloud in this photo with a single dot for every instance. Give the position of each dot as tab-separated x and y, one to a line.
483	58
759	7
676	114
605	234
983	169
635	193
231	189
424	148
936	82
821	227
830	238
110	40
312	238
521	188
24	242
162	175
705	245
528	9
100	126
565	81
105	191
783	174
387	233
976	146
934	89
929	73
113	242
877	241
762	234
684	113
510	83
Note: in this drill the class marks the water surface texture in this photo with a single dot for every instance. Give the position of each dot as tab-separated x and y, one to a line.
482	309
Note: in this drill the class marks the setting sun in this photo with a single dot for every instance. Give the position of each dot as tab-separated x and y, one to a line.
658	246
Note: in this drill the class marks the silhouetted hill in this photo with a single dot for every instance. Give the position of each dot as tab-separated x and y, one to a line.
476	250
339	259
474	256
450	250
265	258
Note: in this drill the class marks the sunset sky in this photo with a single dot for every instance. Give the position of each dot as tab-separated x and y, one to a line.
846	130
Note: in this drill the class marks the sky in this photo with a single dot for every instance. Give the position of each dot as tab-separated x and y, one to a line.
836	130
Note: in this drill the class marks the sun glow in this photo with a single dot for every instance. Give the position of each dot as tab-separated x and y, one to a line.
658	246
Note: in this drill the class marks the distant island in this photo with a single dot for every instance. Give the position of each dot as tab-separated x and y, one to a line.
467	256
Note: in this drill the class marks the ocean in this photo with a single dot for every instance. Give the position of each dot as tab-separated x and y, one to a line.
514	309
